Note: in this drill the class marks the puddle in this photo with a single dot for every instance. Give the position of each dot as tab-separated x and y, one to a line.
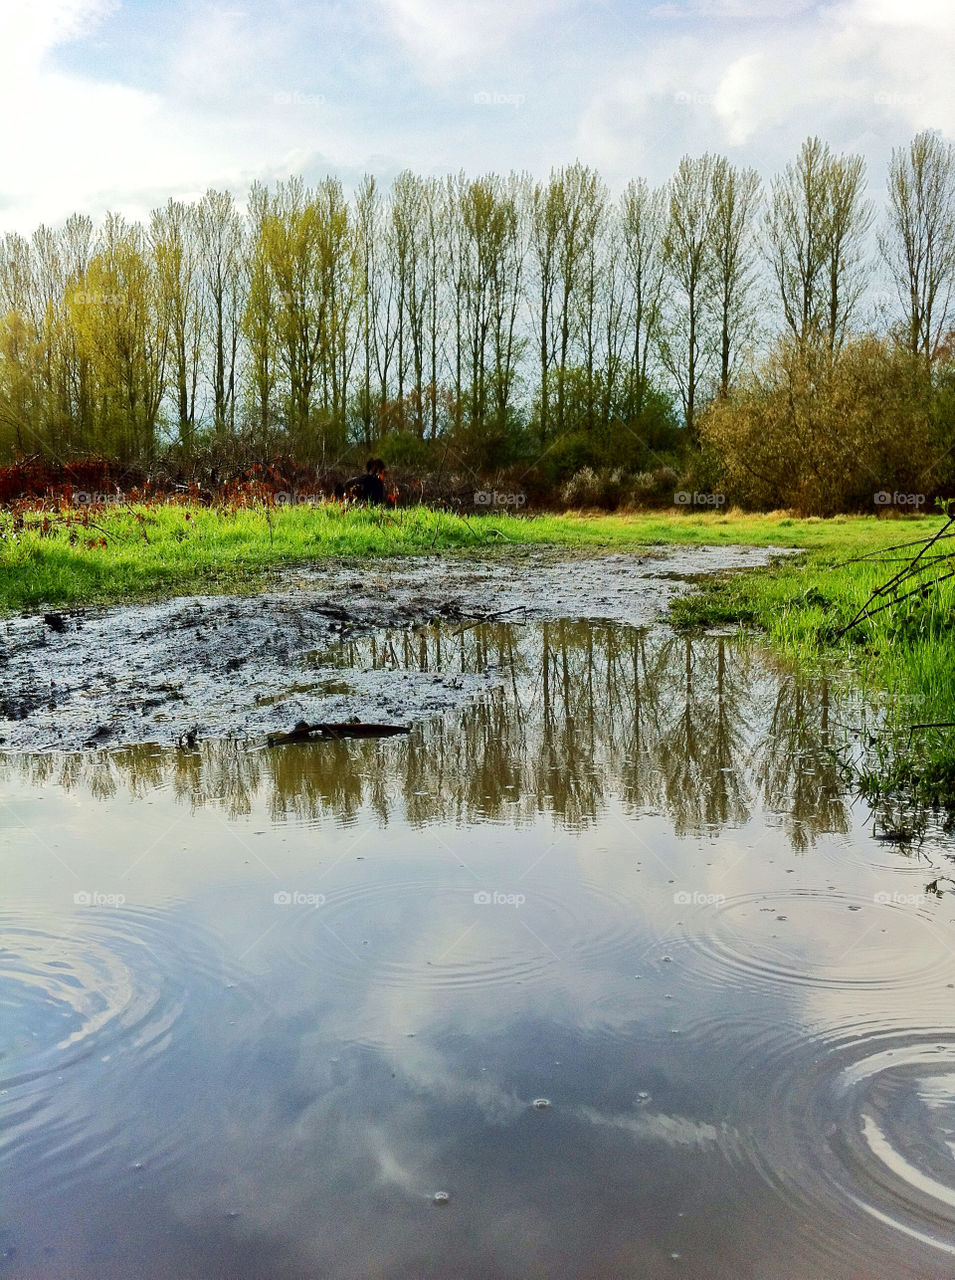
243	665
599	972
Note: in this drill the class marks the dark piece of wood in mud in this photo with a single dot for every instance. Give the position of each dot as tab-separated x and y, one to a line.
303	732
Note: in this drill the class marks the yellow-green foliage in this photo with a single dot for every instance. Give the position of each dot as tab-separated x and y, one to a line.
823	433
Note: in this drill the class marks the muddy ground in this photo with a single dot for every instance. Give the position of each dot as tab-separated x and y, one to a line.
249	665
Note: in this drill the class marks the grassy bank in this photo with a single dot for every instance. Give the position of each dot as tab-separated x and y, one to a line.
103	556
122	553
906	652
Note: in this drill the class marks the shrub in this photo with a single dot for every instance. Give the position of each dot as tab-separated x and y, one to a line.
823	432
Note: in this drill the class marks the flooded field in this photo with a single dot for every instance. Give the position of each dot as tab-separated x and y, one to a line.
600	972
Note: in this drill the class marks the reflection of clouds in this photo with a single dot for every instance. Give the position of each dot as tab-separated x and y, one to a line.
329	1094
674	1131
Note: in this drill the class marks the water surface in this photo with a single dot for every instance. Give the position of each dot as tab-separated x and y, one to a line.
261	1006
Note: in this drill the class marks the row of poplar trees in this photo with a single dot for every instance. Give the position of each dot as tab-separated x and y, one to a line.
497	308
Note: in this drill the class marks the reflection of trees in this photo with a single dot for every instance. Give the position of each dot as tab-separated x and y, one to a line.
794	767
699	729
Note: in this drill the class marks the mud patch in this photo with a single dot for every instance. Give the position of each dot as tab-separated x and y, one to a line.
219	666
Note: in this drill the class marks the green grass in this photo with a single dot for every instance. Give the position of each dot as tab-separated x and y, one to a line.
147	552
160	550
905	655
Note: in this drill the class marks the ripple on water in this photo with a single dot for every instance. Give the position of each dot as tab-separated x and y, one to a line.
815	939
416	934
863	1127
433	935
850	1130
77	991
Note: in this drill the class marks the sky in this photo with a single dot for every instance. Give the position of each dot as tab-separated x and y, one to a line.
120	104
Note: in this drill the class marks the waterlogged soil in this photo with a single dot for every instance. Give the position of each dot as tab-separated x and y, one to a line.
598	972
250	665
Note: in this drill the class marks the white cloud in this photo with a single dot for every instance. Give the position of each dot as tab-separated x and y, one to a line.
456	31
83	143
68	130
30	31
233	94
865	75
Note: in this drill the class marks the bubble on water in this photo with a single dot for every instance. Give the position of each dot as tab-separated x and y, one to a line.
441	1198
540	1104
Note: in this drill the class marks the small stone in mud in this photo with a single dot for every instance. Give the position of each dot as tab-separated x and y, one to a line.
540	1104
441	1198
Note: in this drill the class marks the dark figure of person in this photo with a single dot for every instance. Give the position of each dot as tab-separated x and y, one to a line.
370	487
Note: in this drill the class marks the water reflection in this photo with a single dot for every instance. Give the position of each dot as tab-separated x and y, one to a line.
700	730
301	990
